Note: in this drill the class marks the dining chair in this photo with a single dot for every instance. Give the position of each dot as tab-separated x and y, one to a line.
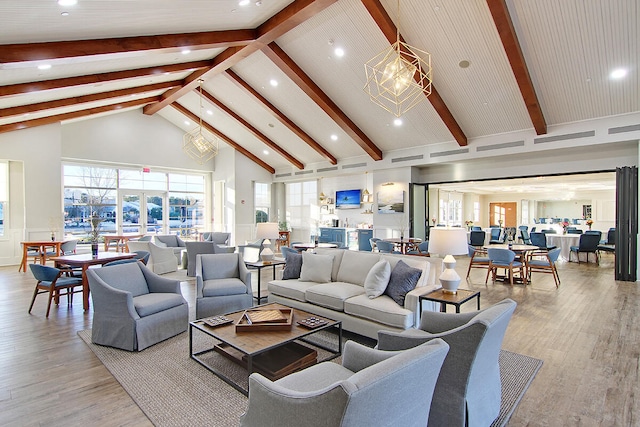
53	281
422	249
373	242
386	247
504	258
589	244
494	238
610	245
540	240
524	235
478	259
143	256
543	262
476	238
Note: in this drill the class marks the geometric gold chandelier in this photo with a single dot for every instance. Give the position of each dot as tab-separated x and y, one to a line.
196	144
399	77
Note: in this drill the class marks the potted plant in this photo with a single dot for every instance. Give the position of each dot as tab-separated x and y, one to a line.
589	223
95	233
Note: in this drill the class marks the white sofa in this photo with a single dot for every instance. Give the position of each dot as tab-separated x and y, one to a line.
344	297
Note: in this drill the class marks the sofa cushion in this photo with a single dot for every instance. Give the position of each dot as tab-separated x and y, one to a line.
316	268
377	279
337	259
412	261
152	303
355	266
293	289
403	279
292	267
332	295
221	287
382	309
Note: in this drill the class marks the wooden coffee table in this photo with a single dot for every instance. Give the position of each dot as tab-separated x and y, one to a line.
272	353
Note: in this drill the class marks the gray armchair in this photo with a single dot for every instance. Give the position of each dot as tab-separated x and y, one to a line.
252	250
194	249
133	308
468	392
171	241
161	260
216	237
223	284
370	388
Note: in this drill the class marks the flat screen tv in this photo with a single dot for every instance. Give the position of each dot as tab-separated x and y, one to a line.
348	199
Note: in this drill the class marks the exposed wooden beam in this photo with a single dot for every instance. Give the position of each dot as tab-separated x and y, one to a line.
23	52
296	12
262	137
388	28
66	102
507	33
216	132
313	91
279	115
75	114
22	88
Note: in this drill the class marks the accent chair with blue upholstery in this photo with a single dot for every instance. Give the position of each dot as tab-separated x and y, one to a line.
134	308
544	262
171	241
422	249
494	239
372	242
161	260
476	238
193	250
539	239
468	391
223	284
588	244
53	281
479	259
370	388
386	247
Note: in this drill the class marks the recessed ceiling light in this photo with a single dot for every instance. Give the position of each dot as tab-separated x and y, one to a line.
334	137
397	122
265	152
243	2
259	3
64	13
186	123
339	52
271	125
618	73
273	82
209	112
464	64
186	51
44	66
67	2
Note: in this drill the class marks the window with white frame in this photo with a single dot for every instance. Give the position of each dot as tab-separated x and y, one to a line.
4	196
302	204
262	201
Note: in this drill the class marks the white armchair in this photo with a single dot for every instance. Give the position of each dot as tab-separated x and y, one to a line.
161	260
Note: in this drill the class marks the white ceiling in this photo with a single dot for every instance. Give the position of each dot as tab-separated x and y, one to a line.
569	46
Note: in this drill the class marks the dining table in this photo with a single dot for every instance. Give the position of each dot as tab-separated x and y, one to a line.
521	253
41	246
120	239
404	243
84	261
564	242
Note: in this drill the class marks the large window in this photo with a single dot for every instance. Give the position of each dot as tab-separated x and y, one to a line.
174	203
262	201
4	195
302	205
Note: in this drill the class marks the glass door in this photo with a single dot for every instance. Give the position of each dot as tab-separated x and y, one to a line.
142	212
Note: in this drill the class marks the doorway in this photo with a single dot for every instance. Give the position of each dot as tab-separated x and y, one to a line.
503	214
142	212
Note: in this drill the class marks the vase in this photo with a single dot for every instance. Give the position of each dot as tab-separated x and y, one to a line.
94	249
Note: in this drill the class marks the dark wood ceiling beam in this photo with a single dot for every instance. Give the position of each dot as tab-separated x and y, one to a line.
313	91
76	114
509	38
23	88
193	117
13	53
262	137
279	115
66	102
283	21
388	28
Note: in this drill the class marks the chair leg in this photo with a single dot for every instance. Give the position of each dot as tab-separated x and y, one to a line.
33	300
49	303
489	270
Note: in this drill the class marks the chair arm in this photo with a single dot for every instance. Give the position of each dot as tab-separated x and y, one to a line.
394	341
159	284
412	300
245	274
272	405
436	322
357	357
110	301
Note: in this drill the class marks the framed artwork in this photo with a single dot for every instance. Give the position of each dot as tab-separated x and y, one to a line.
390	201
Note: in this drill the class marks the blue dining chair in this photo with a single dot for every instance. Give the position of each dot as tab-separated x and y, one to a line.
478	259
386	247
589	244
504	258
544	262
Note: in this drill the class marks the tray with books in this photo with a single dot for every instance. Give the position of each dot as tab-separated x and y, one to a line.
265	319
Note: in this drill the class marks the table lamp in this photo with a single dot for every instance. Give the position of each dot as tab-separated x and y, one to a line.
448	242
267	231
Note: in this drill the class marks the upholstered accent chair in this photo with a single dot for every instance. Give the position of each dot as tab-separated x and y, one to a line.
252	250
195	248
54	282
171	241
478	258
223	284
134	308
370	388
468	391
219	238
161	260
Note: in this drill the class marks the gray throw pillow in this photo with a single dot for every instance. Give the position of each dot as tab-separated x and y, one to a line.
292	267
403	280
316	268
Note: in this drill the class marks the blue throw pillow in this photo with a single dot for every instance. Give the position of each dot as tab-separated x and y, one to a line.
403	280
292	267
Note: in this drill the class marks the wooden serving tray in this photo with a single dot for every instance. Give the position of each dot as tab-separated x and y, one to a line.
245	324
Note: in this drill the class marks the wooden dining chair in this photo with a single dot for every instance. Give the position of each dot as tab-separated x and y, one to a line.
504	258
543	262
53	281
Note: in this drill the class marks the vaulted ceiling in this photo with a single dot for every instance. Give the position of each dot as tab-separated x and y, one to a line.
275	90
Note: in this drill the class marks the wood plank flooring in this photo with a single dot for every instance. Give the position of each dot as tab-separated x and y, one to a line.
587	332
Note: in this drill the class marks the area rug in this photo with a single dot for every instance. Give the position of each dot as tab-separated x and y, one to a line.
174	390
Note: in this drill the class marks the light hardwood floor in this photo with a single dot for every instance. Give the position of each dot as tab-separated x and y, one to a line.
587	332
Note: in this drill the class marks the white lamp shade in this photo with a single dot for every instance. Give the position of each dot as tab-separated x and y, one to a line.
267	230
448	241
